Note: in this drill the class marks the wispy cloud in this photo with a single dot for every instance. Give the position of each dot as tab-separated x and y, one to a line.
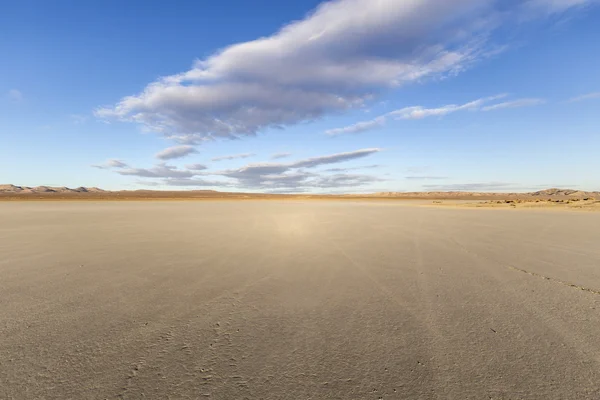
425	178
421	169
483	187
358	127
294	175
554	6
338	57
299	175
372	166
15	95
196	167
514	104
171	153
111	163
161	170
78	119
233	157
195	182
420	112
278	156
588	96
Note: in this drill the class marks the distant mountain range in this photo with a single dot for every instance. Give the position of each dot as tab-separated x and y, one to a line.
47	189
546	193
93	192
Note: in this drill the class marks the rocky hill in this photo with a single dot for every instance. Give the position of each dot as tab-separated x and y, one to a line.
565	192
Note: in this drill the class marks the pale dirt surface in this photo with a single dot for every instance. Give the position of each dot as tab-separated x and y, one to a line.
564	205
297	300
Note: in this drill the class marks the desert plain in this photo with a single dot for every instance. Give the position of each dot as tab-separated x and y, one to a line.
297	299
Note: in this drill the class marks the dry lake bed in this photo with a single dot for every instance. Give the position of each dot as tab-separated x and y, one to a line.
297	300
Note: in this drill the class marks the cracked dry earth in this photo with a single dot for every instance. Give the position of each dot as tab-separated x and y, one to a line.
297	300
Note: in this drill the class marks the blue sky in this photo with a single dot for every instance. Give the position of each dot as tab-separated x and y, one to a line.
302	96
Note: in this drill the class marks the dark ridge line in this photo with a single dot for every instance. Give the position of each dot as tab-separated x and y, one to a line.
564	283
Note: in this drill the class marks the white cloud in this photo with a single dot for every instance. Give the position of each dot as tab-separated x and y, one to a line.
415	112
554	6
588	96
111	163
15	95
233	157
293	176
358	127
419	112
343	54
161	170
176	152
483	187
515	104
334	158
196	167
197	182
426	178
266	176
278	156
352	168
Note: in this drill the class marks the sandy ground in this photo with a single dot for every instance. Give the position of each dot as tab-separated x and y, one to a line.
562	205
297	300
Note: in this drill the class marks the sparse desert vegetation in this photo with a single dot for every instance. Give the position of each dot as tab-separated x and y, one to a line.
586	204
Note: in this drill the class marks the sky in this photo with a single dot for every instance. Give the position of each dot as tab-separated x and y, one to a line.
342	96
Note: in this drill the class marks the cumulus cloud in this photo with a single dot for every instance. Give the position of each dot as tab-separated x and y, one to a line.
588	96
176	152
15	95
515	104
233	157
278	156
338	57
111	163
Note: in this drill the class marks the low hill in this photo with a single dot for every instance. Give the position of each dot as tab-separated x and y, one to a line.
546	194
48	192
